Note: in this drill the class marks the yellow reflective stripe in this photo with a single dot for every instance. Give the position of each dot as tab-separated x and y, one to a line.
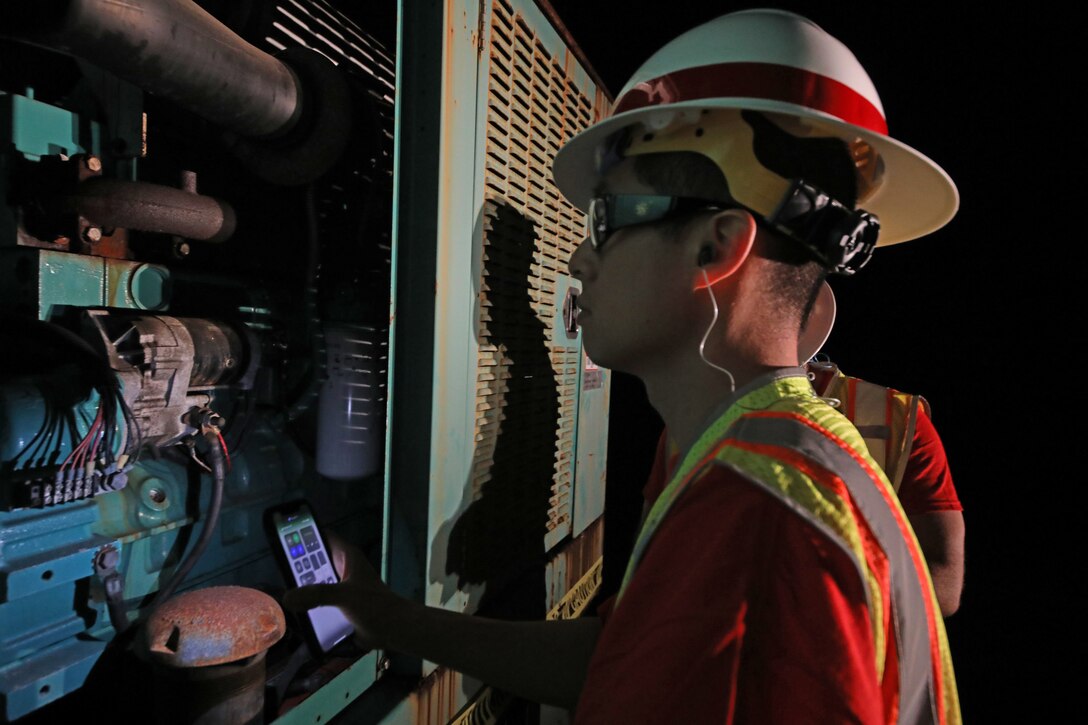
828	512
915	614
950	695
793	394
901	440
789	383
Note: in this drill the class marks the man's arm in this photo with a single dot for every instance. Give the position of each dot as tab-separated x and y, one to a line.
933	508
941	536
544	661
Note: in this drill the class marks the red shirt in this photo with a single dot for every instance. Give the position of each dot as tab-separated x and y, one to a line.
741	612
927	481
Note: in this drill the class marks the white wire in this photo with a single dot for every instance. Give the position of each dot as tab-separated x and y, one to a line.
714	304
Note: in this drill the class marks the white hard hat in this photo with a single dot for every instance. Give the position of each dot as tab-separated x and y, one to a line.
787	67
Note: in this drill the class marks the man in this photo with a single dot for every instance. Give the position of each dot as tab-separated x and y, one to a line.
776	579
901	439
900	436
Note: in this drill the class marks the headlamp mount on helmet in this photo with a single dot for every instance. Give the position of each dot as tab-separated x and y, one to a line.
841	238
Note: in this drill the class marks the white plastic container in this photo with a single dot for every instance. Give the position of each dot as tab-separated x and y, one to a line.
351	407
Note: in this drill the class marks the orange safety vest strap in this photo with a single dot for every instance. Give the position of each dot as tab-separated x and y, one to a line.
884	417
913	609
902	419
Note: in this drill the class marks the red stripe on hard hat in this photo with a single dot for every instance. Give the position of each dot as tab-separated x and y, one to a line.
757	80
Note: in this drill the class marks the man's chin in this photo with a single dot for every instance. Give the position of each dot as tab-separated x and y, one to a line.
599	356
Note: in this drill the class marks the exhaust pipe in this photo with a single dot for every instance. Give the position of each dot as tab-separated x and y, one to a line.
153	208
173	49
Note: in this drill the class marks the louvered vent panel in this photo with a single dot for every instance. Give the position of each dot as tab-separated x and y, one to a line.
526	388
317	25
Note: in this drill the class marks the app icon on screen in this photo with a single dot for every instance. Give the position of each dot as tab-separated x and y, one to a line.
310	537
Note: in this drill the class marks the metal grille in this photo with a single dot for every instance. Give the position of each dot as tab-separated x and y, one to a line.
315	24
527	375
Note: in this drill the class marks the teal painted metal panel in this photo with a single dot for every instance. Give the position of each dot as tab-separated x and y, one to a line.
327	702
46	279
455	300
38	129
69	279
48	675
594	392
447	361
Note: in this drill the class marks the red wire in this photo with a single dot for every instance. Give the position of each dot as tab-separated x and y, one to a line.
80	449
92	436
226	453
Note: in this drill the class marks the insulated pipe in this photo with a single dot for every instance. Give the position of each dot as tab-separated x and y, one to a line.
153	208
170	48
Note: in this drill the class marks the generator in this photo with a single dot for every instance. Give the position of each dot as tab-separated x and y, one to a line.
262	250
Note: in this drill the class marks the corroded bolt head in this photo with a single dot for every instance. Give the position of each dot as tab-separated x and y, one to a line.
93	163
92	234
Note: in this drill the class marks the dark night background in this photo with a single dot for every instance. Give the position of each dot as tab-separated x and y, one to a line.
967	316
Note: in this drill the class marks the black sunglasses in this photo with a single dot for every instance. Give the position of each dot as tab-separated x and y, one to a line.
610	212
841	238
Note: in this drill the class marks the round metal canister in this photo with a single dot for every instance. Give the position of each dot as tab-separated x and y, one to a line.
209	647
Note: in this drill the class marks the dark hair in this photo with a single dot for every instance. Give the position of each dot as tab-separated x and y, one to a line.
796	275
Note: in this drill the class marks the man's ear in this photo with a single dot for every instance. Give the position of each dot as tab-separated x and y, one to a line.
724	246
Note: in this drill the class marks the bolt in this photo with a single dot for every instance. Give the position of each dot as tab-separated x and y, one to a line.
107	558
182	249
92	234
93	163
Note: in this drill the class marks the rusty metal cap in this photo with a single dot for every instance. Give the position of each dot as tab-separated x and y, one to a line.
213	626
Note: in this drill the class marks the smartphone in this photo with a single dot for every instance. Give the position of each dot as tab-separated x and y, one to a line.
305	559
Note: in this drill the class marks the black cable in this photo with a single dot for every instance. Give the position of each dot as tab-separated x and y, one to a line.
118	615
39	447
134	432
219	473
103	378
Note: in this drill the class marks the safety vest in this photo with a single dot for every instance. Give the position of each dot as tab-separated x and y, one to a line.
784	439
885	417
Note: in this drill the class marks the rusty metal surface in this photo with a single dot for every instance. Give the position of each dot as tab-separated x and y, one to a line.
227	694
575	49
534	104
214	626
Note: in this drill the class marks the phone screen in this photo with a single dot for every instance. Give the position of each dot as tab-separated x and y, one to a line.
310	564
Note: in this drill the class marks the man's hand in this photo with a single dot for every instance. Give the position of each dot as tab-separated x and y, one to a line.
542	661
361	595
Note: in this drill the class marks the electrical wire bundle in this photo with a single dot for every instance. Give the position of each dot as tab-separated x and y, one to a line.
100	458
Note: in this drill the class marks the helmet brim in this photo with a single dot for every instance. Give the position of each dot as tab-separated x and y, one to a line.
915	198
